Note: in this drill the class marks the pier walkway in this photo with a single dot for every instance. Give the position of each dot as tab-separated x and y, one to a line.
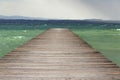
57	54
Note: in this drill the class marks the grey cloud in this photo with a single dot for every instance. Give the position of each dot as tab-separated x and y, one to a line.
109	8
70	9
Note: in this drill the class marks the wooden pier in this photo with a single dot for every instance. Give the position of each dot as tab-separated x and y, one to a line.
57	54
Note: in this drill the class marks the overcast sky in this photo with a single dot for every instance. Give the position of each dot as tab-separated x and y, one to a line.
62	9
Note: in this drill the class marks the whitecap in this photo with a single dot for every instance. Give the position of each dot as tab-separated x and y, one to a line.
118	29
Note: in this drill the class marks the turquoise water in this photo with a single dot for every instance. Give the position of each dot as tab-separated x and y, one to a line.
11	39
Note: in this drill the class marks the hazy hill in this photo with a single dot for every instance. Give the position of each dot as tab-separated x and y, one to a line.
2	17
20	17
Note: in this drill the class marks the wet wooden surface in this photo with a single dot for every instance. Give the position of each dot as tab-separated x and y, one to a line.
57	54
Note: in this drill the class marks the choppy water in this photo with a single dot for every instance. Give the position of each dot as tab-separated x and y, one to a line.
36	24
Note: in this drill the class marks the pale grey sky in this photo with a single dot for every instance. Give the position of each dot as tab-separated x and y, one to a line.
62	9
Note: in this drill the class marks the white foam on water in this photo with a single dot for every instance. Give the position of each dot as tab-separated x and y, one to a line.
45	24
19	37
25	31
118	29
